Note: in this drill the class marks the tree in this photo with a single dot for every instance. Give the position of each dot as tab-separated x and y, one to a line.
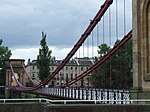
99	74
115	72
5	54
44	59
103	49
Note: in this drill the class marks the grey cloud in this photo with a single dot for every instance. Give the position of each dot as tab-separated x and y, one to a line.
22	21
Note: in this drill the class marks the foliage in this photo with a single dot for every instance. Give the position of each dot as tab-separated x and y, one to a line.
44	58
116	71
27	95
29	84
5	54
98	74
103	49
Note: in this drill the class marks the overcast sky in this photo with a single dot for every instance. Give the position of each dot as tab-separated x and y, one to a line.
22	22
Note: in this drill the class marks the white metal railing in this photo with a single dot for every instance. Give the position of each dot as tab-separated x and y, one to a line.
25	100
85	93
44	100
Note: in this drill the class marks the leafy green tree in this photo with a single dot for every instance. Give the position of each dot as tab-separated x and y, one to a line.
102	50
116	71
122	66
98	75
5	54
44	59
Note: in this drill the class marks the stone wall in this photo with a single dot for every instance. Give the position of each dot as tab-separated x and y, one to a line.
30	107
21	107
98	108
141	45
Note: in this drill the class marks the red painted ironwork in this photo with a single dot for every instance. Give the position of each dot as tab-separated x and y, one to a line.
83	93
13	74
26	73
83	37
104	58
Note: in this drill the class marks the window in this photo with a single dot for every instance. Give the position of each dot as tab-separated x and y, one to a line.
67	78
57	83
71	68
75	68
81	68
75	75
52	68
71	76
33	67
33	75
57	78
66	68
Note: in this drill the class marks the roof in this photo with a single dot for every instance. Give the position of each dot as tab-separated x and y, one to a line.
74	62
71	62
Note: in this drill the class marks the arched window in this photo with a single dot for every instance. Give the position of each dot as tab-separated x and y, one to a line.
148	36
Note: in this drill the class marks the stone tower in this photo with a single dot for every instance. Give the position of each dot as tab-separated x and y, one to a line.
19	71
141	47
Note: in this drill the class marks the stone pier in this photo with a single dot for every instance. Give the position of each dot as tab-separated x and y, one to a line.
18	69
141	48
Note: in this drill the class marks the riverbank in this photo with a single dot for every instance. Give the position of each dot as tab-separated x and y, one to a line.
45	107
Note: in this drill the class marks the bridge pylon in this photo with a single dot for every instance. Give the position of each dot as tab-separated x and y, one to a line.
18	74
141	48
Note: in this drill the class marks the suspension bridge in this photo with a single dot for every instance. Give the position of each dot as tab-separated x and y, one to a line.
118	74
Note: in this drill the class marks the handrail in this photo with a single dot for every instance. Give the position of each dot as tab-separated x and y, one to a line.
44	100
26	99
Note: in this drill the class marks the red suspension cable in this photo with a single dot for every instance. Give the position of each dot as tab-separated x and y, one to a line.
83	37
103	59
26	73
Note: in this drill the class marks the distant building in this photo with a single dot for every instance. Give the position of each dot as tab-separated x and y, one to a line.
71	70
